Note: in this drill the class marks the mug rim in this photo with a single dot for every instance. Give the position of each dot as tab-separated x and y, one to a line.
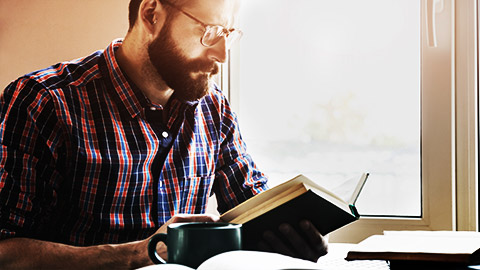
196	225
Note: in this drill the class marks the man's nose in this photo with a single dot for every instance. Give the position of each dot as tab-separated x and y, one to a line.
218	52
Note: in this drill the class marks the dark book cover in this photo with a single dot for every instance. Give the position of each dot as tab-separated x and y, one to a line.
325	215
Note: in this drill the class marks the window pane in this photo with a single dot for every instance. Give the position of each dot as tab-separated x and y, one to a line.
330	89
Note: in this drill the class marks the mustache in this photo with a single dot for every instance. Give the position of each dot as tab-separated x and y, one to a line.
199	65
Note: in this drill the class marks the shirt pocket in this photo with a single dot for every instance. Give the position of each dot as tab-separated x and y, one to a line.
194	194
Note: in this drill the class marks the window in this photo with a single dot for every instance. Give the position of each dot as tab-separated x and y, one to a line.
332	88
316	95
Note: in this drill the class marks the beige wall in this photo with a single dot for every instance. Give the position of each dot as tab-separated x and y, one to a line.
35	34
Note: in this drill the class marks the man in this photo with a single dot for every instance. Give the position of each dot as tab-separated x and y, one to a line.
100	153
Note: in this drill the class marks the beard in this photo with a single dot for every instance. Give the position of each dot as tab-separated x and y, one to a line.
190	79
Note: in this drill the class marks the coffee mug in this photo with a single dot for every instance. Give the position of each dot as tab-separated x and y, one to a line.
192	243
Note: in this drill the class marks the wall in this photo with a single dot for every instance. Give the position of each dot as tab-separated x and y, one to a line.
35	34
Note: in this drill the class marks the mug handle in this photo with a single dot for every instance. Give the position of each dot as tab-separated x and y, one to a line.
152	247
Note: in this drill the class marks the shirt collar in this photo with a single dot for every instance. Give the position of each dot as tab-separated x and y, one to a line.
126	94
121	90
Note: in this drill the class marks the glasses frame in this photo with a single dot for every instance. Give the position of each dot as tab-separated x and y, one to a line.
224	31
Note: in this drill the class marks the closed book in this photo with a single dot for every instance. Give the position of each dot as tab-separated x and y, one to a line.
290	202
431	249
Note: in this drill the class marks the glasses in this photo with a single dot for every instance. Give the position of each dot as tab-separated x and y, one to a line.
213	33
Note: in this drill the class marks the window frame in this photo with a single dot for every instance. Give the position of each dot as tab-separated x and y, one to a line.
466	58
449	124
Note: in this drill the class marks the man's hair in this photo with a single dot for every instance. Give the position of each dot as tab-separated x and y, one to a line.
135	5
133	12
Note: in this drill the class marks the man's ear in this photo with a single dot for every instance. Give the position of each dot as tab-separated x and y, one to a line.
151	14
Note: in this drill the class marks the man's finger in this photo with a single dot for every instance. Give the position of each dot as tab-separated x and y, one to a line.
263	246
302	248
277	244
317	241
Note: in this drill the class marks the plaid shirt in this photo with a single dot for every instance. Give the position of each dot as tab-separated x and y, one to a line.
77	155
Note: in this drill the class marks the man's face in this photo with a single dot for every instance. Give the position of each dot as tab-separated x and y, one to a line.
177	54
189	78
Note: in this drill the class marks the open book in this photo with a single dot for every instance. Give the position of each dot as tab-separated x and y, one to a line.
290	202
415	247
244	260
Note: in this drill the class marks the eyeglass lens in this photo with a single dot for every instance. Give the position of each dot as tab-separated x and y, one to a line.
214	34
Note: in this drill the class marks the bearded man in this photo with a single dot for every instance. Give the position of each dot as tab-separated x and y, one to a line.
100	153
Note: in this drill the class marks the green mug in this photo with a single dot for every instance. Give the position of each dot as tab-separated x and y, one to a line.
192	243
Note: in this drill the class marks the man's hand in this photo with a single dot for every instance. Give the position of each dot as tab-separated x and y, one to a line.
308	244
181	218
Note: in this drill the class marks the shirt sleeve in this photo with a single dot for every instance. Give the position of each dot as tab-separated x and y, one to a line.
29	159
237	177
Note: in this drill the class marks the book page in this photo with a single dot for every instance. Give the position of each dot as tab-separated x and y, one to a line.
421	242
321	190
242	260
167	266
454	234
358	188
260	198
350	189
267	205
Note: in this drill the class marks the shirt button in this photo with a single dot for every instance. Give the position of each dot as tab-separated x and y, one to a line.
165	134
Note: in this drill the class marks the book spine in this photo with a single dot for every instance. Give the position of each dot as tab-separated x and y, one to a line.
354	211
